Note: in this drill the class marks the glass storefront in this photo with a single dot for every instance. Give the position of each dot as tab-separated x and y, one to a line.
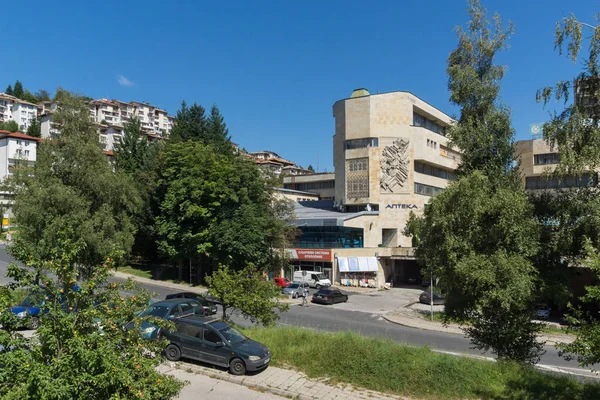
303	265
329	237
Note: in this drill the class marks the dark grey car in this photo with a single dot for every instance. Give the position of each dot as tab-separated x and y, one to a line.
216	342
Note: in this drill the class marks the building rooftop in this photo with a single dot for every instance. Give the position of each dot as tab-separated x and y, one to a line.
18	135
323	213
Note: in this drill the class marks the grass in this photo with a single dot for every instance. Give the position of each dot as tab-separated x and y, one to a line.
385	366
135	271
157	272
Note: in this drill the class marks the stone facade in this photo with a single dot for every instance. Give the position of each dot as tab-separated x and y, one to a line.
388	118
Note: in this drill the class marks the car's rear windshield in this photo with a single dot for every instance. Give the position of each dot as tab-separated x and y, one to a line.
293	285
155	311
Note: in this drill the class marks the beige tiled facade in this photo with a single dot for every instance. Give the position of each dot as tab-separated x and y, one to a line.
388	117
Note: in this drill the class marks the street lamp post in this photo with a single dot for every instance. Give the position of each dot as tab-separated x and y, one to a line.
431	291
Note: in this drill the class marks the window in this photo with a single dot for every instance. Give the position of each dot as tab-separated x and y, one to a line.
211	336
423	122
567	181
433	171
27	153
427	190
361	143
18	142
190	330
543	159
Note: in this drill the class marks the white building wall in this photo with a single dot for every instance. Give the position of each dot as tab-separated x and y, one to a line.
3	159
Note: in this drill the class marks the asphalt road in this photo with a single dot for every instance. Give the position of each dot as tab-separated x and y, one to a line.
330	319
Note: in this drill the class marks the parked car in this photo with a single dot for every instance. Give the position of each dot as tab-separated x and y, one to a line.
438	298
314	278
295	289
172	309
329	296
281	282
29	310
208	304
542	311
216	342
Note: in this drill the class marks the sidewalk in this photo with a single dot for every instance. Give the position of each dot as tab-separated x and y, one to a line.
204	387
411	318
281	382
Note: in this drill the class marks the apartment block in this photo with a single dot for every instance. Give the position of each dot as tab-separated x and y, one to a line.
538	160
14	109
271	161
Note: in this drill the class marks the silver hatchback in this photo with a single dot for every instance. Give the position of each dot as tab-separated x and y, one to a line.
295	289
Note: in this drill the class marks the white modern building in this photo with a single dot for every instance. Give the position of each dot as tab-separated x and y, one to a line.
16	148
14	109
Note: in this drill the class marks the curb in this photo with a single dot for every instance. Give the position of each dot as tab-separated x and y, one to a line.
550	340
232	379
179	286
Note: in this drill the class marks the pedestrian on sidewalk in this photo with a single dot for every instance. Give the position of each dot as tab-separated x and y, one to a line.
304	297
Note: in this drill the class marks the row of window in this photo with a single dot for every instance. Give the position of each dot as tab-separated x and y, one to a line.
323	237
308	186
432	144
419	120
543	159
433	171
427	190
569	181
361	143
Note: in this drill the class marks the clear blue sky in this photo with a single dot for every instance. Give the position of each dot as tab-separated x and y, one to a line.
274	68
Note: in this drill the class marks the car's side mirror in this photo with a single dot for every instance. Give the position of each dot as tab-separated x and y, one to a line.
219	344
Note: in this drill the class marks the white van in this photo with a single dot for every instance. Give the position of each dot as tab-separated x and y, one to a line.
315	279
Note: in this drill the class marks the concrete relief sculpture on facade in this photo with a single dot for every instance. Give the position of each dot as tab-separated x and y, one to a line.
394	166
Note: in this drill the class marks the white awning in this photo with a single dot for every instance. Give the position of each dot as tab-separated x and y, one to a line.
358	264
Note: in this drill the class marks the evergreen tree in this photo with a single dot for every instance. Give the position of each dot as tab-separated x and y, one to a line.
310	168
218	132
9	90
18	90
192	124
35	128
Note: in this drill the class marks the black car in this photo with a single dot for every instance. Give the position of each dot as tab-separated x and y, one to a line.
215	342
208	302
329	296
438	298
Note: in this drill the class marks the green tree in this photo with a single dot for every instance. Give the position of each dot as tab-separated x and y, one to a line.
192	124
35	128
74	217
310	168
18	90
42	95
479	236
74	189
215	209
27	96
10	126
484	133
80	349
248	292
138	158
575	132
9	90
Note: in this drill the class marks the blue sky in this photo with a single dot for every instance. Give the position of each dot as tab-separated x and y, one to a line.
274	68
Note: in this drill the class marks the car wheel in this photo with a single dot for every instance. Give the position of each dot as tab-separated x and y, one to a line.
318	286
34	323
237	367
295	295
172	352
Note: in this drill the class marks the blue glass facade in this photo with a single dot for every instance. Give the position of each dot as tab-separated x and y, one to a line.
329	237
